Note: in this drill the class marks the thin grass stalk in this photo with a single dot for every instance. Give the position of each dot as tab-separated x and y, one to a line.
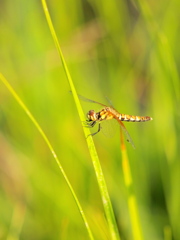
132	202
93	153
17	221
31	117
167	233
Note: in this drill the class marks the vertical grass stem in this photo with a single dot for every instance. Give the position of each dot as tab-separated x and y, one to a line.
132	202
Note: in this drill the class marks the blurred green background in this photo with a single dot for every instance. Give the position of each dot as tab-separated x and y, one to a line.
126	50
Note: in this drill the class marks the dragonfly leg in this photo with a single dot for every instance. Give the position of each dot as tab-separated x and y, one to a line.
92	134
89	124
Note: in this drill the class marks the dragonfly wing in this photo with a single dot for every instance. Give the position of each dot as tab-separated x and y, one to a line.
128	137
89	100
109	127
109	101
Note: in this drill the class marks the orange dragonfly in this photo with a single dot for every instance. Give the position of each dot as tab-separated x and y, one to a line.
108	113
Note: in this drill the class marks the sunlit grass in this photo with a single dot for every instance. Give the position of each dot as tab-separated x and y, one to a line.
31	117
128	51
132	200
96	163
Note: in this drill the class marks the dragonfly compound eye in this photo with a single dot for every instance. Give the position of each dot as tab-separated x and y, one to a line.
91	115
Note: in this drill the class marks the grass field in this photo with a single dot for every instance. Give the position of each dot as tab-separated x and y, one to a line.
127	51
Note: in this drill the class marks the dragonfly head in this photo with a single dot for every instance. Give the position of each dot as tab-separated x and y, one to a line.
92	116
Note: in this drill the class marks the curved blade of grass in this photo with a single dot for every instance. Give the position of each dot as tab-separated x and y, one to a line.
132	202
98	170
20	102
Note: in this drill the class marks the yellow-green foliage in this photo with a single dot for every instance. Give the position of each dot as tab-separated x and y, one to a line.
125	50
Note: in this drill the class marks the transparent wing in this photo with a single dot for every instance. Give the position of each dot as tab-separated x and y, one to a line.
89	100
128	137
110	102
109	127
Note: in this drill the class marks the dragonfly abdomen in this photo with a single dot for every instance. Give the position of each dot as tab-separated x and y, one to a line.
131	118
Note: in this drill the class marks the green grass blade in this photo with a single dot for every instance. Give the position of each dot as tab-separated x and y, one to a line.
96	163
20	102
132	202
167	233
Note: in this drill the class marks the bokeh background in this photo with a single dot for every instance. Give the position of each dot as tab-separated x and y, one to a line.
125	50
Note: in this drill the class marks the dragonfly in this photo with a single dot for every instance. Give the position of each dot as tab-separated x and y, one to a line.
108	113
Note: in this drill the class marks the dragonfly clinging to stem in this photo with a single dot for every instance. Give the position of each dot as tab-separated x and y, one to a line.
108	113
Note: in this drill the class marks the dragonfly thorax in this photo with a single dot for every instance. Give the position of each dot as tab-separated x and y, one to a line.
92	115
